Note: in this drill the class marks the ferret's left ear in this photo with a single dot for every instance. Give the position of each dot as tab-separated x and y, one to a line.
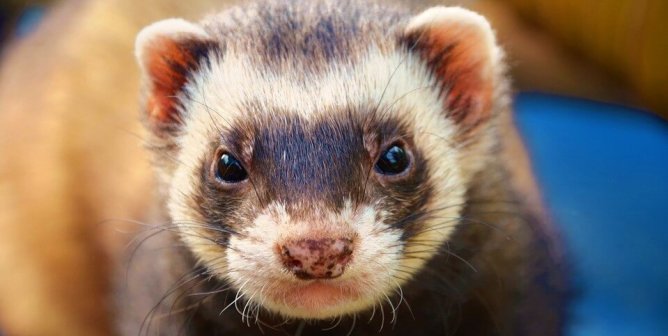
459	47
168	53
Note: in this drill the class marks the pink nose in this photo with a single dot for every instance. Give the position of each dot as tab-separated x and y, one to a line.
317	259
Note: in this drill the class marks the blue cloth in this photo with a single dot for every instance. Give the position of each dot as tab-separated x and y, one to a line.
604	173
29	20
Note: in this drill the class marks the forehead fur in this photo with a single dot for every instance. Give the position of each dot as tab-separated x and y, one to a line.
305	35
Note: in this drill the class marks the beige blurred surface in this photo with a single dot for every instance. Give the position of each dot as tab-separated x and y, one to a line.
71	161
628	39
538	62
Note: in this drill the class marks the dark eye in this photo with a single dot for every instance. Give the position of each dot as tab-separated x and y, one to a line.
393	161
230	170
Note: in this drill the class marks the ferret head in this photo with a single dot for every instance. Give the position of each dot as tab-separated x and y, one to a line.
315	156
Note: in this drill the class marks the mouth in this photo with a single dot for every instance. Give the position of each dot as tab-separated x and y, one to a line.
317	299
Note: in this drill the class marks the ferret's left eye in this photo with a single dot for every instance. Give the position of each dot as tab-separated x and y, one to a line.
394	160
230	170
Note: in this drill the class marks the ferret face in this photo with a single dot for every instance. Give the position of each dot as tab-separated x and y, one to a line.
313	183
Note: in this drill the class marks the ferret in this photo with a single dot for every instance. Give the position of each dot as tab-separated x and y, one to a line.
334	168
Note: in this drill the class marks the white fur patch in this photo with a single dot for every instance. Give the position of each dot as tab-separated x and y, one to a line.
254	263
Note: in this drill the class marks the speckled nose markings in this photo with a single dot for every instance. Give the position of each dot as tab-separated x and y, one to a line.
317	258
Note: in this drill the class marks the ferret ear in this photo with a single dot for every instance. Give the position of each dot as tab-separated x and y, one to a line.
169	52
459	47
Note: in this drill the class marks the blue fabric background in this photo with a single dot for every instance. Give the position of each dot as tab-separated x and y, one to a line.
604	173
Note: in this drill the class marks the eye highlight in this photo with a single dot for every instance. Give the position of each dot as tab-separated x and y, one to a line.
230	170
393	161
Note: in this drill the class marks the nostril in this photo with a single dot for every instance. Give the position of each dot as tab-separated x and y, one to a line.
294	264
317	258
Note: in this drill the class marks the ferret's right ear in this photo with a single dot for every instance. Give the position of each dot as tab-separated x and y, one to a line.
169	52
460	48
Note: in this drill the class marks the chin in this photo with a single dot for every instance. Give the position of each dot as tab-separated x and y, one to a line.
319	299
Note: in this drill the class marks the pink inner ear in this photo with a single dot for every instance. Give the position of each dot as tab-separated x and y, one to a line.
461	59
169	63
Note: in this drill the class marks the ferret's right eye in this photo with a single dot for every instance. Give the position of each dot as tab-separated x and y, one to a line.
393	161
230	170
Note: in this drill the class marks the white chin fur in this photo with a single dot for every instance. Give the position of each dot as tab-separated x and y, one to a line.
367	278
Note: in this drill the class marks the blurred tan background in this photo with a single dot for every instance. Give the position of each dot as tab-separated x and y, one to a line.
613	50
609	50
